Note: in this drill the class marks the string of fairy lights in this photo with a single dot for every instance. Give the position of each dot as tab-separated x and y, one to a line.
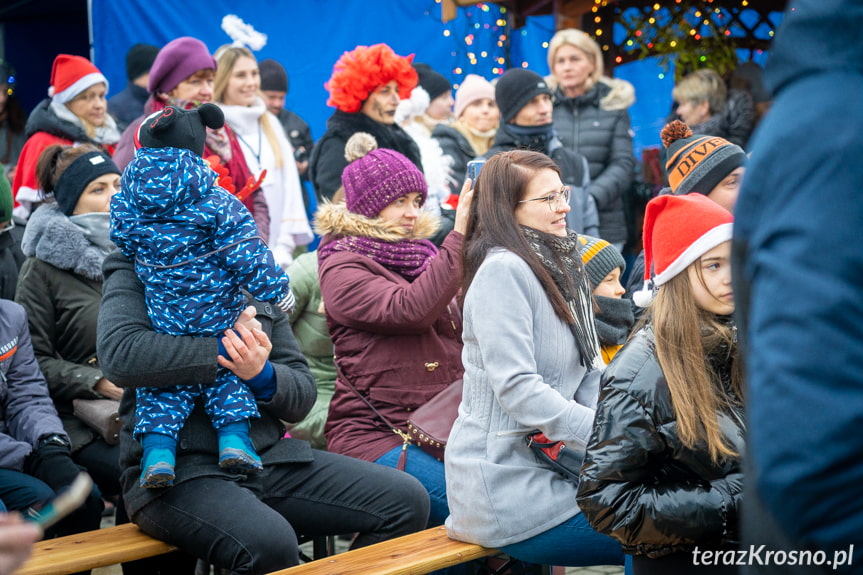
484	41
480	38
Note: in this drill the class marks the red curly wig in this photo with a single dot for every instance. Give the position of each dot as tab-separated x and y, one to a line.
362	70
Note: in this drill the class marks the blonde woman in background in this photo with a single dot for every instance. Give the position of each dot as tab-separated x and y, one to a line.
237	91
709	107
591	117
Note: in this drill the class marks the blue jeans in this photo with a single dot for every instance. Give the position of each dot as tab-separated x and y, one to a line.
18	491
430	472
573	543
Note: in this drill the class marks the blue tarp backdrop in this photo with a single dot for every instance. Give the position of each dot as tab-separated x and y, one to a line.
308	38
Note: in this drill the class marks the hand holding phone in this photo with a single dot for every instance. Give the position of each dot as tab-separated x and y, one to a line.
63	504
473	169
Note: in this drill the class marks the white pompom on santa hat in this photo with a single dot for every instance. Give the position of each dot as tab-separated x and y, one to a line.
677	231
71	75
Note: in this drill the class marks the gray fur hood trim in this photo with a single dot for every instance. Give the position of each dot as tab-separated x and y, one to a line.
620	96
335	219
51	237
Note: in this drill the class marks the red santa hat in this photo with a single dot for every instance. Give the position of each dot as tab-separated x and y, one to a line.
71	75
677	231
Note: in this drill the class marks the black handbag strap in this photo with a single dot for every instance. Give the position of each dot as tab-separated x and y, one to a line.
382	417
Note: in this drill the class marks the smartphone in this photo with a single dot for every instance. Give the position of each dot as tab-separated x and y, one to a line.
473	168
62	504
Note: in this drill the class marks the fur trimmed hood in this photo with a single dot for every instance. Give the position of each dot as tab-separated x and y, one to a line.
51	237
336	220
608	94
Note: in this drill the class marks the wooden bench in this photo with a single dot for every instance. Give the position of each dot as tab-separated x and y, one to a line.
413	554
92	549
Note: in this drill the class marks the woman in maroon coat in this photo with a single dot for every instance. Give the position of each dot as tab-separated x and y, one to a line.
389	296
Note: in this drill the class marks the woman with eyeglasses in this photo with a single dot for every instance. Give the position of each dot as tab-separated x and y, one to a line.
76	112
532	361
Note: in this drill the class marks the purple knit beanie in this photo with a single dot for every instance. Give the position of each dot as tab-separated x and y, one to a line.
375	177
176	61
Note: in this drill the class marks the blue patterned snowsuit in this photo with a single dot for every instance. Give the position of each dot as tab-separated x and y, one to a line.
194	246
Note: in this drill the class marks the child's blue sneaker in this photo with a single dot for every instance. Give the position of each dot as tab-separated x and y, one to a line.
237	454
157	468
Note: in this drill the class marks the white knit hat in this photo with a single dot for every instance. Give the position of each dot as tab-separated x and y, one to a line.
473	88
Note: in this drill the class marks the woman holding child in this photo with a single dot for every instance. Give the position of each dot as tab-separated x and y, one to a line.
244	523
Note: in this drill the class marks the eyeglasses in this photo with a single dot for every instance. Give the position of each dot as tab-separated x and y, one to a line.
553	201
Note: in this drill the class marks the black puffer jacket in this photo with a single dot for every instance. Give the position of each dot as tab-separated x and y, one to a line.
328	156
639	483
454	145
596	125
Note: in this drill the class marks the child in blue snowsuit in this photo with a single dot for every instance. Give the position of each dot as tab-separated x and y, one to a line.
195	247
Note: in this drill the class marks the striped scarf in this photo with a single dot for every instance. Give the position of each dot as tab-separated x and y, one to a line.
562	260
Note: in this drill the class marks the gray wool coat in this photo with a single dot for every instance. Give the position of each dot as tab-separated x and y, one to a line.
522	372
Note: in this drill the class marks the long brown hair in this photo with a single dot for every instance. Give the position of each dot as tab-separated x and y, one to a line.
492	223
227	57
685	336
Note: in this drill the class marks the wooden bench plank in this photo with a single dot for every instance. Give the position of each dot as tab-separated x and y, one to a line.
414	554
92	549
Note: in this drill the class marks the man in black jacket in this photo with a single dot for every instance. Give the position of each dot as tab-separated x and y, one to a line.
245	523
525	106
274	86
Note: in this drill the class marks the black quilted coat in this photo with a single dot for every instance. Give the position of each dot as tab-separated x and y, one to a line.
639	483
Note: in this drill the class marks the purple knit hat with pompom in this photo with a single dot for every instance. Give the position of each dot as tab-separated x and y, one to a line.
375	177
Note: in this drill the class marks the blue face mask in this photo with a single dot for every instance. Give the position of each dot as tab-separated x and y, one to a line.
96	227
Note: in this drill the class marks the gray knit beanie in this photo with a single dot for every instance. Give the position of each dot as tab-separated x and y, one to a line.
599	258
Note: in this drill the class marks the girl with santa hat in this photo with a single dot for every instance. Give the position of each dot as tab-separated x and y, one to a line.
663	472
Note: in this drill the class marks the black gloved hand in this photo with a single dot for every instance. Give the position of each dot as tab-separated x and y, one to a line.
52	464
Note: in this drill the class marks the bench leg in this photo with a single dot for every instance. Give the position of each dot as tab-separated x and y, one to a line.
503	565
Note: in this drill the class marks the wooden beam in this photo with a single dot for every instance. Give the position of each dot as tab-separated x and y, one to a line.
569	13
